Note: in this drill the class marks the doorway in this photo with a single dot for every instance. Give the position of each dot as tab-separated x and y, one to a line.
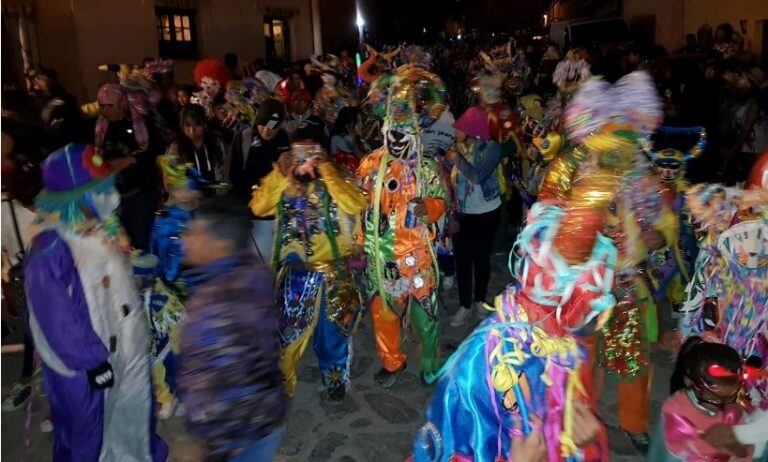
276	38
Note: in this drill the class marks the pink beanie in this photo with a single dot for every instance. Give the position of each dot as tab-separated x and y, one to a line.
474	122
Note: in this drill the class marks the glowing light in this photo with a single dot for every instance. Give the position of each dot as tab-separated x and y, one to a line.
458	37
546	18
359	21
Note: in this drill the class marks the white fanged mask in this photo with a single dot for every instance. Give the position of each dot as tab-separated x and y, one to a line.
746	243
105	204
399	142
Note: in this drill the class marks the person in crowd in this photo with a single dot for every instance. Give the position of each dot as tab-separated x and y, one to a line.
95	358
127	140
231	60
200	146
344	136
256	149
475	159
21	183
183	95
230	378
691	45
317	212
705	388
58	108
300	117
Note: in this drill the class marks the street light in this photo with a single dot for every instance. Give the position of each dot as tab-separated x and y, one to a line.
545	20
359	21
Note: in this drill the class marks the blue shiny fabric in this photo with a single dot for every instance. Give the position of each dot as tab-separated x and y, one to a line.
466	415
169	225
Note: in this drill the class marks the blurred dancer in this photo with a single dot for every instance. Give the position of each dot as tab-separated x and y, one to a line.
230	378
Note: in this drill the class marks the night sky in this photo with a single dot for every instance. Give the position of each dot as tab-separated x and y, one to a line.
398	20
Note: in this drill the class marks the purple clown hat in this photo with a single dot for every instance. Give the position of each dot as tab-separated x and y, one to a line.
69	174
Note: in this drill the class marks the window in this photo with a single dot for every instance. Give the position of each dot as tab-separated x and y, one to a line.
176	33
276	37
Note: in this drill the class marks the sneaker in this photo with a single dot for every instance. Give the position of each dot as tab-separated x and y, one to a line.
641	441
448	282
20	393
480	308
46	425
167	409
336	394
385	378
461	316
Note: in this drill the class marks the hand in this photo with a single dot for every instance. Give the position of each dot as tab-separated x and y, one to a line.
653	239
101	376
721	436
529	448
452	228
285	163
306	168
421	207
586	425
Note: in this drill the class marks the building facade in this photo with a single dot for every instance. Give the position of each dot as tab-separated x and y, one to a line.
76	36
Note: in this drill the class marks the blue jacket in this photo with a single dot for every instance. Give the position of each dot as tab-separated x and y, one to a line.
478	168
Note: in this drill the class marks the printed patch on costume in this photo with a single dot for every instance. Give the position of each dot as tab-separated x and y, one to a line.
298	301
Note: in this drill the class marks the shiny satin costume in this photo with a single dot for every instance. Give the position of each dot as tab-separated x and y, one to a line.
670	269
567	288
316	293
85	313
402	265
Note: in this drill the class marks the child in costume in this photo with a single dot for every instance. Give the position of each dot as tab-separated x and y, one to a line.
166	294
317	211
705	389
670	270
86	316
407	197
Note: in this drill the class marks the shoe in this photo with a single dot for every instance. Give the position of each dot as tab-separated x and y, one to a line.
167	409
449	282
46	425
641	441
481	311
336	394
461	316
385	378
20	393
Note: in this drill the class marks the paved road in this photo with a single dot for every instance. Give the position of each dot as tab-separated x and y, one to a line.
371	425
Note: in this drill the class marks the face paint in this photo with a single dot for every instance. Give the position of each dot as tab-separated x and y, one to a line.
210	86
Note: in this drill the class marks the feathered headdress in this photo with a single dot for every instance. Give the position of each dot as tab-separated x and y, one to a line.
411	98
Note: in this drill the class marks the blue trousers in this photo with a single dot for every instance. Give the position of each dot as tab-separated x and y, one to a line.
262	450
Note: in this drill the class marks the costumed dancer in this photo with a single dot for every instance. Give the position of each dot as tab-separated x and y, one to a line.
727	298
407	198
332	97
616	120
670	270
211	75
569	74
564	292
164	297
317	214
86	316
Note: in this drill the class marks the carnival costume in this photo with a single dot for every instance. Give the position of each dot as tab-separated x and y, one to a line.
569	74
86	317
332	97
670	270
402	267
616	120
727	297
212	76
530	355
314	239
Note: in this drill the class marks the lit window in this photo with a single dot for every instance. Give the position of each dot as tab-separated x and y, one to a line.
176	33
